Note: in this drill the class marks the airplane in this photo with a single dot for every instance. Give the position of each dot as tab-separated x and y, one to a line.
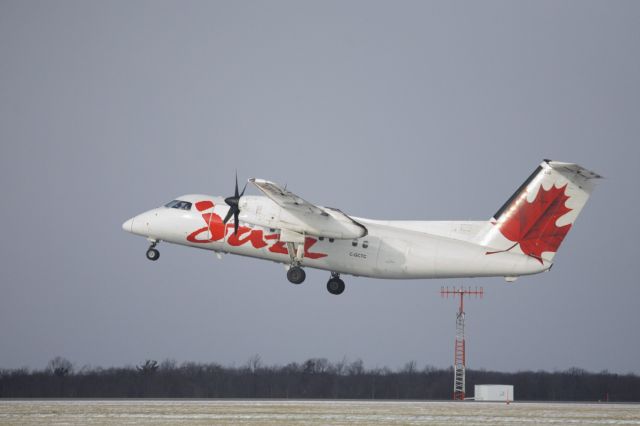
521	238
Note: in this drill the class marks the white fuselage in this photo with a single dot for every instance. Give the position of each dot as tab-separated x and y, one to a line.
390	249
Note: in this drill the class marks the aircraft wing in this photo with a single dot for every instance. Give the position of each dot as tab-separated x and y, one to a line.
285	199
300	216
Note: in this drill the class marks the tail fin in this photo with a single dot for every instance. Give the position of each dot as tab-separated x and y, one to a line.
541	212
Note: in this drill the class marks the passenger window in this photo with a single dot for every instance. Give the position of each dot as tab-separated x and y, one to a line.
321	238
365	244
331	240
354	243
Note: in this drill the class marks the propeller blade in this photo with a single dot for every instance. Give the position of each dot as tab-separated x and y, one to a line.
228	216
234	208
231	202
235	223
237	195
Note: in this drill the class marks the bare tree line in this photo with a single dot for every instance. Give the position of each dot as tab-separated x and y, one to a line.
313	378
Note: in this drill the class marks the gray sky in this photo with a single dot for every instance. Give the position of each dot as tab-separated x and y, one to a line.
398	110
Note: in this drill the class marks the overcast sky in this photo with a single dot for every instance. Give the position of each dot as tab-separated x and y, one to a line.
396	110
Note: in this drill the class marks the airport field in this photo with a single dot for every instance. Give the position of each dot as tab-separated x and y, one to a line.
309	412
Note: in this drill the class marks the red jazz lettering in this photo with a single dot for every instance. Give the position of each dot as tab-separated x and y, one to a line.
215	230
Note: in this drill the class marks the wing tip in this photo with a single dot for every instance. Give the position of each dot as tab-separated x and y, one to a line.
257	181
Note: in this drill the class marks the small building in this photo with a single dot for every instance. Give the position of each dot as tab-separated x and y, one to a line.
502	393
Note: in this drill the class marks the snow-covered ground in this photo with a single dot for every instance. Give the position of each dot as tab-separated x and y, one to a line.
286	412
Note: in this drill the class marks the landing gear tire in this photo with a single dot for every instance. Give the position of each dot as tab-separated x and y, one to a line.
153	254
296	275
335	286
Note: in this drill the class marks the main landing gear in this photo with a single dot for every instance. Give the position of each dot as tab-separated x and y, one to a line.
152	253
296	275
335	285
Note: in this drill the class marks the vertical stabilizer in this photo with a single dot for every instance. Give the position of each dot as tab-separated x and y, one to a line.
538	216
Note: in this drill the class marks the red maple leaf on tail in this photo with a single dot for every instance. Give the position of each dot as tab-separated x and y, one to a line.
533	224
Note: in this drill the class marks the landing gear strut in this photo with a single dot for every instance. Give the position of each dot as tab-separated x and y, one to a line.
152	253
296	274
335	285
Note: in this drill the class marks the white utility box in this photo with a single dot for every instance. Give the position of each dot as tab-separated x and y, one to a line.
501	393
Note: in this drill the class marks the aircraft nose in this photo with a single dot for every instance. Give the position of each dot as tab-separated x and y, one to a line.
128	225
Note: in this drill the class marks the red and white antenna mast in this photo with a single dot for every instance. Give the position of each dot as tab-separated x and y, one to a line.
460	359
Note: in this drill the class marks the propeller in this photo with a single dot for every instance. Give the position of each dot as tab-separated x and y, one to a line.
234	208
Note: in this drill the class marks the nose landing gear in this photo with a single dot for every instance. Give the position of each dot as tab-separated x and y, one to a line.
335	285
152	253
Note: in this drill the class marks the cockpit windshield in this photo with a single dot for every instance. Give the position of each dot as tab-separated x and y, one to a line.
179	204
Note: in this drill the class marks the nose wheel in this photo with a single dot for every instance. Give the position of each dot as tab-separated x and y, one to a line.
152	253
335	285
